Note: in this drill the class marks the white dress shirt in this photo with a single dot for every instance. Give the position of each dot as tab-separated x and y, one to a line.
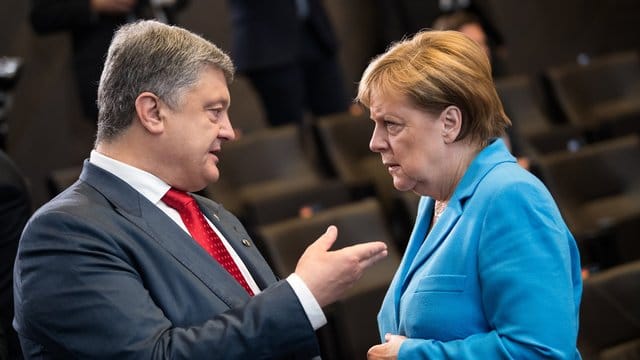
153	188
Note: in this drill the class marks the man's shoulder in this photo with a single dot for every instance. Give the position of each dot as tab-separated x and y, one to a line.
79	201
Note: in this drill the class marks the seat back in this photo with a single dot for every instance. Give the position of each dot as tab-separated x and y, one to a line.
597	186
266	155
582	88
357	222
345	141
523	103
597	170
610	314
520	104
351	328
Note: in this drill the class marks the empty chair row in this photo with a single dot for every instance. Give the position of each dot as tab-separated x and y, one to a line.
610	314
575	103
351	328
267	176
598	191
602	94
523	102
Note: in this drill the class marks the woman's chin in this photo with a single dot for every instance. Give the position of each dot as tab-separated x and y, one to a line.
401	184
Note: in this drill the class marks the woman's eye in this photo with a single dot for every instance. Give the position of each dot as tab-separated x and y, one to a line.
392	126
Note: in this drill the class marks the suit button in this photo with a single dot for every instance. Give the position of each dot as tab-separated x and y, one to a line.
246	242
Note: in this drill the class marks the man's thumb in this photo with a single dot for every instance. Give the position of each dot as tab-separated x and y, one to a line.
328	238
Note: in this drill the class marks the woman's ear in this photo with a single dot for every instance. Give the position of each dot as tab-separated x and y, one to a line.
452	120
148	110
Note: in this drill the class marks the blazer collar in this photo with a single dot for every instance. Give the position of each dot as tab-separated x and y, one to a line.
492	155
422	245
152	221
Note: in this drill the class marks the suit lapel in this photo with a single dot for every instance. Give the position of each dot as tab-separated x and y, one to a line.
157	225
190	254
242	244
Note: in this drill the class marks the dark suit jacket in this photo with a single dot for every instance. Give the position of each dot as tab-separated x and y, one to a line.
90	34
269	33
15	208
103	273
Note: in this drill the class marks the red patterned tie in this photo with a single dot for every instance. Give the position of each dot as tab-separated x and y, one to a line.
200	230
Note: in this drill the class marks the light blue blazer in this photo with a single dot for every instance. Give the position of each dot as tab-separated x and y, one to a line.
498	276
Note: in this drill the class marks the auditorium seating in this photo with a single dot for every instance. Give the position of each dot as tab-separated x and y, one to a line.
602	94
271	177
352	326
610	314
344	139
531	123
597	188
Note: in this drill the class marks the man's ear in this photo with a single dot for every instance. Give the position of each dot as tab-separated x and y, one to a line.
452	120
148	110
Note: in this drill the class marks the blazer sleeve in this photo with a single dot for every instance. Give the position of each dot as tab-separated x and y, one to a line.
81	297
528	268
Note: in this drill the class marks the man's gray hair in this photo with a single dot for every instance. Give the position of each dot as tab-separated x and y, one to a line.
151	56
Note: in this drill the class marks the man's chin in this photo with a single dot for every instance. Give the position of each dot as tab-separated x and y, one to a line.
213	176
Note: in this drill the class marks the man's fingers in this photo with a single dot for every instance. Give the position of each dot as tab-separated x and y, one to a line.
326	240
373	259
368	250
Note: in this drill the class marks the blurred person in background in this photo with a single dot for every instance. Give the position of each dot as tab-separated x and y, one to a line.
91	24
289	52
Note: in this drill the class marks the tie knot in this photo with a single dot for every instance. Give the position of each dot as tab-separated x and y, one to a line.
177	199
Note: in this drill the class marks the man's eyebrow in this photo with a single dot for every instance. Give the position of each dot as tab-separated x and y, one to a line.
220	101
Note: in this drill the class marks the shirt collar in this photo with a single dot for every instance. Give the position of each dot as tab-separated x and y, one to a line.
147	184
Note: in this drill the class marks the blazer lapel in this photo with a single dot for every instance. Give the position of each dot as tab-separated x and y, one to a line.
389	318
495	153
435	237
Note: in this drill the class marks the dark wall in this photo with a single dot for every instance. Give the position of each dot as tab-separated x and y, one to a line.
48	132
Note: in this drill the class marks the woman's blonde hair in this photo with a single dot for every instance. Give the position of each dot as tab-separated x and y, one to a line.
437	69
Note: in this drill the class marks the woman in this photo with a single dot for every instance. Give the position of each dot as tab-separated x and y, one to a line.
491	270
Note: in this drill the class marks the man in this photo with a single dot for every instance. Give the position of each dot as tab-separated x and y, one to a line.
108	268
289	52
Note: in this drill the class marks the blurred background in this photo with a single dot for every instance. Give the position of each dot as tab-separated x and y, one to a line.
568	74
47	130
